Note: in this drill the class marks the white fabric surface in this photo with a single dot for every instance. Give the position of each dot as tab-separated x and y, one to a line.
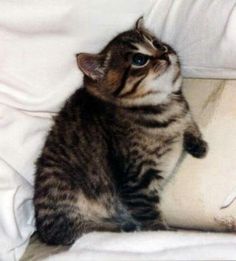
203	32
38	43
151	246
194	197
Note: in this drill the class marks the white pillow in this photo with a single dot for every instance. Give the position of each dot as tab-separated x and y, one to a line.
203	33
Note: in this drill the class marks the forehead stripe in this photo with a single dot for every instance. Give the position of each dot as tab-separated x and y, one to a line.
143	50
131	46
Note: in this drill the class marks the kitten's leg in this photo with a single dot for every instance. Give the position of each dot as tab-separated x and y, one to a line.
144	208
193	142
61	221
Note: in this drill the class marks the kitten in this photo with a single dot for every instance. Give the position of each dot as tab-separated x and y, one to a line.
115	142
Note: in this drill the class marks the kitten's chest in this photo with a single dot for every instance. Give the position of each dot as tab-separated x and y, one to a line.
154	152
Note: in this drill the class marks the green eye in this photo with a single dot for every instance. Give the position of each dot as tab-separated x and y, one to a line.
140	59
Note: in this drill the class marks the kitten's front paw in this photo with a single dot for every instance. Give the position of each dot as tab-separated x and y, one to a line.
195	146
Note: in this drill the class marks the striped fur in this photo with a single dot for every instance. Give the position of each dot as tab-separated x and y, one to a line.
115	143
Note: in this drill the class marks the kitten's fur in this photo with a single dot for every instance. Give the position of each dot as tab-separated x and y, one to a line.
115	142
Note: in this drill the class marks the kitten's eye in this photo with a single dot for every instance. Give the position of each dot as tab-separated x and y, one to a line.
140	59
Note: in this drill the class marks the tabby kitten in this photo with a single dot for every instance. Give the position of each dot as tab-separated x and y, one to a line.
115	142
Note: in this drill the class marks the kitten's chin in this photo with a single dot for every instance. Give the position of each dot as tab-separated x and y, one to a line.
168	81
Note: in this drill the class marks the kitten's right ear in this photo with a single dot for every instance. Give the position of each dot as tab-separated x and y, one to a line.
91	65
139	24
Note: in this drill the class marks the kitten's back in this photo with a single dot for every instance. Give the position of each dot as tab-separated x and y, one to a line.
74	187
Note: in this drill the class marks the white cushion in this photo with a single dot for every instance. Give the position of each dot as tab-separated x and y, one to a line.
201	194
151	246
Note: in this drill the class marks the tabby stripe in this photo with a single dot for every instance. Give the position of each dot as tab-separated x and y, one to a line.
141	200
51	193
137	72
146	215
130	45
176	76
150	175
160	154
179	93
139	204
154	173
137	195
148	109
123	82
146	94
138	169
154	123
134	88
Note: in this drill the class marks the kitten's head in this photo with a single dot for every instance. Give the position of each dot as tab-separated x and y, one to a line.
135	68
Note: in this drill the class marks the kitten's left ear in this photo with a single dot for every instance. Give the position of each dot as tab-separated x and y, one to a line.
139	24
91	65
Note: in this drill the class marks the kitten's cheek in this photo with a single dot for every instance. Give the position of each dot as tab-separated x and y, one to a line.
160	68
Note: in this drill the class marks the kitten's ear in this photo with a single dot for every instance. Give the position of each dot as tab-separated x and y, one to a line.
139	24
91	65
